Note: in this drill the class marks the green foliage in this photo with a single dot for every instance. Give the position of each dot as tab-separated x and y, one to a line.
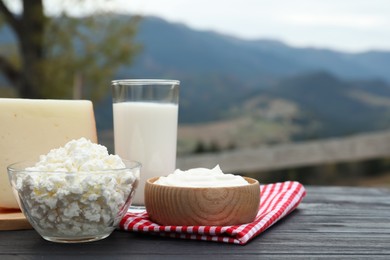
89	49
6	92
79	55
200	148
2	21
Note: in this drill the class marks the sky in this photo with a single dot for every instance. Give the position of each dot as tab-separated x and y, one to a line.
346	25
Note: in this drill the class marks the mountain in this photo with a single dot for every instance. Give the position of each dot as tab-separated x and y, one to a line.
341	107
307	106
297	92
171	48
217	70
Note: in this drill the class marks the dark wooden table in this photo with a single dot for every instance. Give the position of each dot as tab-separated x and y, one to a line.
331	222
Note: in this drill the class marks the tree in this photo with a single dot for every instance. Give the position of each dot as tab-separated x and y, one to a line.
63	56
200	147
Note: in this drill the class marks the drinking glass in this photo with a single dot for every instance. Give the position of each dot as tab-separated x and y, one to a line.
145	126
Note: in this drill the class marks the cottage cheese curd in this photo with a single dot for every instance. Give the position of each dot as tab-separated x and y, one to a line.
76	190
201	177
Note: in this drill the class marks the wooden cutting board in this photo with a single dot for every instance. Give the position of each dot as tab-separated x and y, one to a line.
13	220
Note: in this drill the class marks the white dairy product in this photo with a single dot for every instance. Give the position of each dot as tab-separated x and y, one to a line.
76	190
201	177
147	133
78	156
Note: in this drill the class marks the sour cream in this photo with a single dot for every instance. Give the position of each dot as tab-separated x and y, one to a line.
201	178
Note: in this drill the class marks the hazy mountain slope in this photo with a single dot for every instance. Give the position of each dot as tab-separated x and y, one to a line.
220	72
342	107
217	70
175	49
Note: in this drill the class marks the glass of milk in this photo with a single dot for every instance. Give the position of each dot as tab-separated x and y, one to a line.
145	126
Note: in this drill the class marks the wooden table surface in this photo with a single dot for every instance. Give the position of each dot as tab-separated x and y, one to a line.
331	222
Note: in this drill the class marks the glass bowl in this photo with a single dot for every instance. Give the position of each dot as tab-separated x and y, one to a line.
77	206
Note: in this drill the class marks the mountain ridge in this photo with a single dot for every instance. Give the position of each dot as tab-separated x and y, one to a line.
221	74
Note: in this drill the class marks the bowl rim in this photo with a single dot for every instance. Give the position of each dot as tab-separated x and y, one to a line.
145	82
251	182
16	167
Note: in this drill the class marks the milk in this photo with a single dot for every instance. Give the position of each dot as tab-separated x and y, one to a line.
147	133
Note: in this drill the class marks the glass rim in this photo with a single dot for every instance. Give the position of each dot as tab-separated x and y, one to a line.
145	82
17	167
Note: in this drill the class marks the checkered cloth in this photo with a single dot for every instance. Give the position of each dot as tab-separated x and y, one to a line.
277	200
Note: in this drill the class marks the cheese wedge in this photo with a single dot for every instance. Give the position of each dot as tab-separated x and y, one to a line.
32	127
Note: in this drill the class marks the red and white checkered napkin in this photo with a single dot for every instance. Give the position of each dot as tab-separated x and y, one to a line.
277	200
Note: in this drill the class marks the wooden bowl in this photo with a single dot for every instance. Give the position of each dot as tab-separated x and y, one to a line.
216	206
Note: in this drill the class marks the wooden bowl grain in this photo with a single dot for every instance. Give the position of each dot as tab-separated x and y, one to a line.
216	206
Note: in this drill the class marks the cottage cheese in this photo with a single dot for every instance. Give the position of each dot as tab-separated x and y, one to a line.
202	177
76	190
